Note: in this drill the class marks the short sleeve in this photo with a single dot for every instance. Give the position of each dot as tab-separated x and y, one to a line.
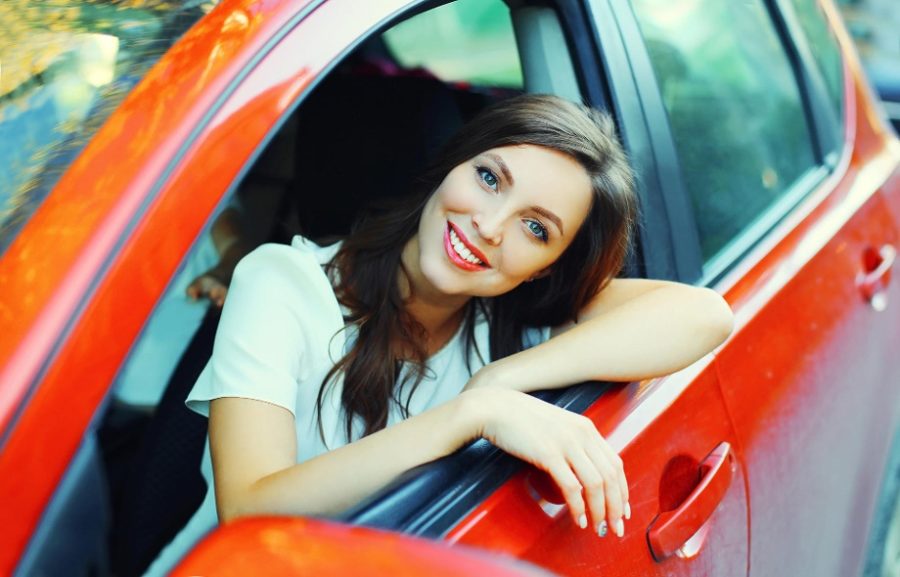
263	335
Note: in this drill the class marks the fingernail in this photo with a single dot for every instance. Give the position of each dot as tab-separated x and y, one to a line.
602	528
627	510
582	521
619	527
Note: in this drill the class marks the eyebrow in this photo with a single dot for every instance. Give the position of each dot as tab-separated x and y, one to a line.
550	216
503	168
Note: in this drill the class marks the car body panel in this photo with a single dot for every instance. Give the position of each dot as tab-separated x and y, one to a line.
284	546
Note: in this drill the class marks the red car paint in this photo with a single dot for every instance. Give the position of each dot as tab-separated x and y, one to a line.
807	417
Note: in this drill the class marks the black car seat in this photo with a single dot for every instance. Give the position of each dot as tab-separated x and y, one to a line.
362	139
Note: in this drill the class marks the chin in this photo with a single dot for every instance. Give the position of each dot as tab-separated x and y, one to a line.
443	277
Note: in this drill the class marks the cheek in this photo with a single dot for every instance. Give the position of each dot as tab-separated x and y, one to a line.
457	195
522	259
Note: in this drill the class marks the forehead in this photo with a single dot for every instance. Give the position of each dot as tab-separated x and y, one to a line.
549	179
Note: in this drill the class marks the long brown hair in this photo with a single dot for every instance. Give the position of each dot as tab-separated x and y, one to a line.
367	263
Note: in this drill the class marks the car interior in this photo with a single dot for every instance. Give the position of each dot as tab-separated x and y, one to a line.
137	480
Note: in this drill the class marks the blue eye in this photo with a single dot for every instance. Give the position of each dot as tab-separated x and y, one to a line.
537	229
488	177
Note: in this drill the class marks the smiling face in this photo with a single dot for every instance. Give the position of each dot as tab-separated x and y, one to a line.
498	220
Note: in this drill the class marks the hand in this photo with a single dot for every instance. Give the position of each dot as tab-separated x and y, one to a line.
566	445
208	285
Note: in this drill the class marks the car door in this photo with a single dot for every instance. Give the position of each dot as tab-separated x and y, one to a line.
784	165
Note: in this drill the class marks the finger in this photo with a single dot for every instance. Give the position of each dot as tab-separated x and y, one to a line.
202	286
594	488
217	292
615	505
619	465
623	485
570	488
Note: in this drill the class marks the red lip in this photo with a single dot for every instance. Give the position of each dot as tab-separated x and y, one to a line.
474	250
477	253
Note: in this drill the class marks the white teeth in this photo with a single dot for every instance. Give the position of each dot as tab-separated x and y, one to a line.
461	249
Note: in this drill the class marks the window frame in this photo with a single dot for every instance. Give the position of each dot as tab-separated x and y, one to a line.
828	124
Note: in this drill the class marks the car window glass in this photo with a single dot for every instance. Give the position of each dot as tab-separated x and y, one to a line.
469	41
734	109
825	49
66	65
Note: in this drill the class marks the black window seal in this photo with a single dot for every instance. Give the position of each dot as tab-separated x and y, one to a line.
655	234
683	236
824	123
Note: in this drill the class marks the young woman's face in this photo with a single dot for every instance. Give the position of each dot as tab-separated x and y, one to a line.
500	219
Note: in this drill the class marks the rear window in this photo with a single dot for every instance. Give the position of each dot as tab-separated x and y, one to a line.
65	65
466	41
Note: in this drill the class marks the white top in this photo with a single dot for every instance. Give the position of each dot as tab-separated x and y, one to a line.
281	331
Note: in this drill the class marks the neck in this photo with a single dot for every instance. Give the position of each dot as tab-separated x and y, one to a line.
438	313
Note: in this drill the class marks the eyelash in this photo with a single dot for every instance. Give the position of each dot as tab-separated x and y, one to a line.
542	235
483	171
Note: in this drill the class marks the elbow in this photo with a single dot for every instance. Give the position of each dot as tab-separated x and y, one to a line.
717	318
232	507
227	512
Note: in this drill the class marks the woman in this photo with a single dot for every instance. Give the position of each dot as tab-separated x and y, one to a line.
336	369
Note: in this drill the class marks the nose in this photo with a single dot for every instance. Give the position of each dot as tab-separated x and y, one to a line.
488	226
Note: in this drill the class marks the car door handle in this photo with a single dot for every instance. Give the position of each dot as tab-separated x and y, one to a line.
876	275
672	529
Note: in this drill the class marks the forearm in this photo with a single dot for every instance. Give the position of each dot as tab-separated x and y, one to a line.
655	334
338	479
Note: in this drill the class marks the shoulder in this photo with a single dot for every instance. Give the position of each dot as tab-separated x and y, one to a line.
280	270
272	260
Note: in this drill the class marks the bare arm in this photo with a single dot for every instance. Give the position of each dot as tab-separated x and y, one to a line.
633	329
254	452
255	469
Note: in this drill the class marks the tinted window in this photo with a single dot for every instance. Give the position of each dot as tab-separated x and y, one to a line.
734	109
825	49
468	40
66	65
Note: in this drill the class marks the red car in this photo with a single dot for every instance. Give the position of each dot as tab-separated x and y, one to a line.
765	172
